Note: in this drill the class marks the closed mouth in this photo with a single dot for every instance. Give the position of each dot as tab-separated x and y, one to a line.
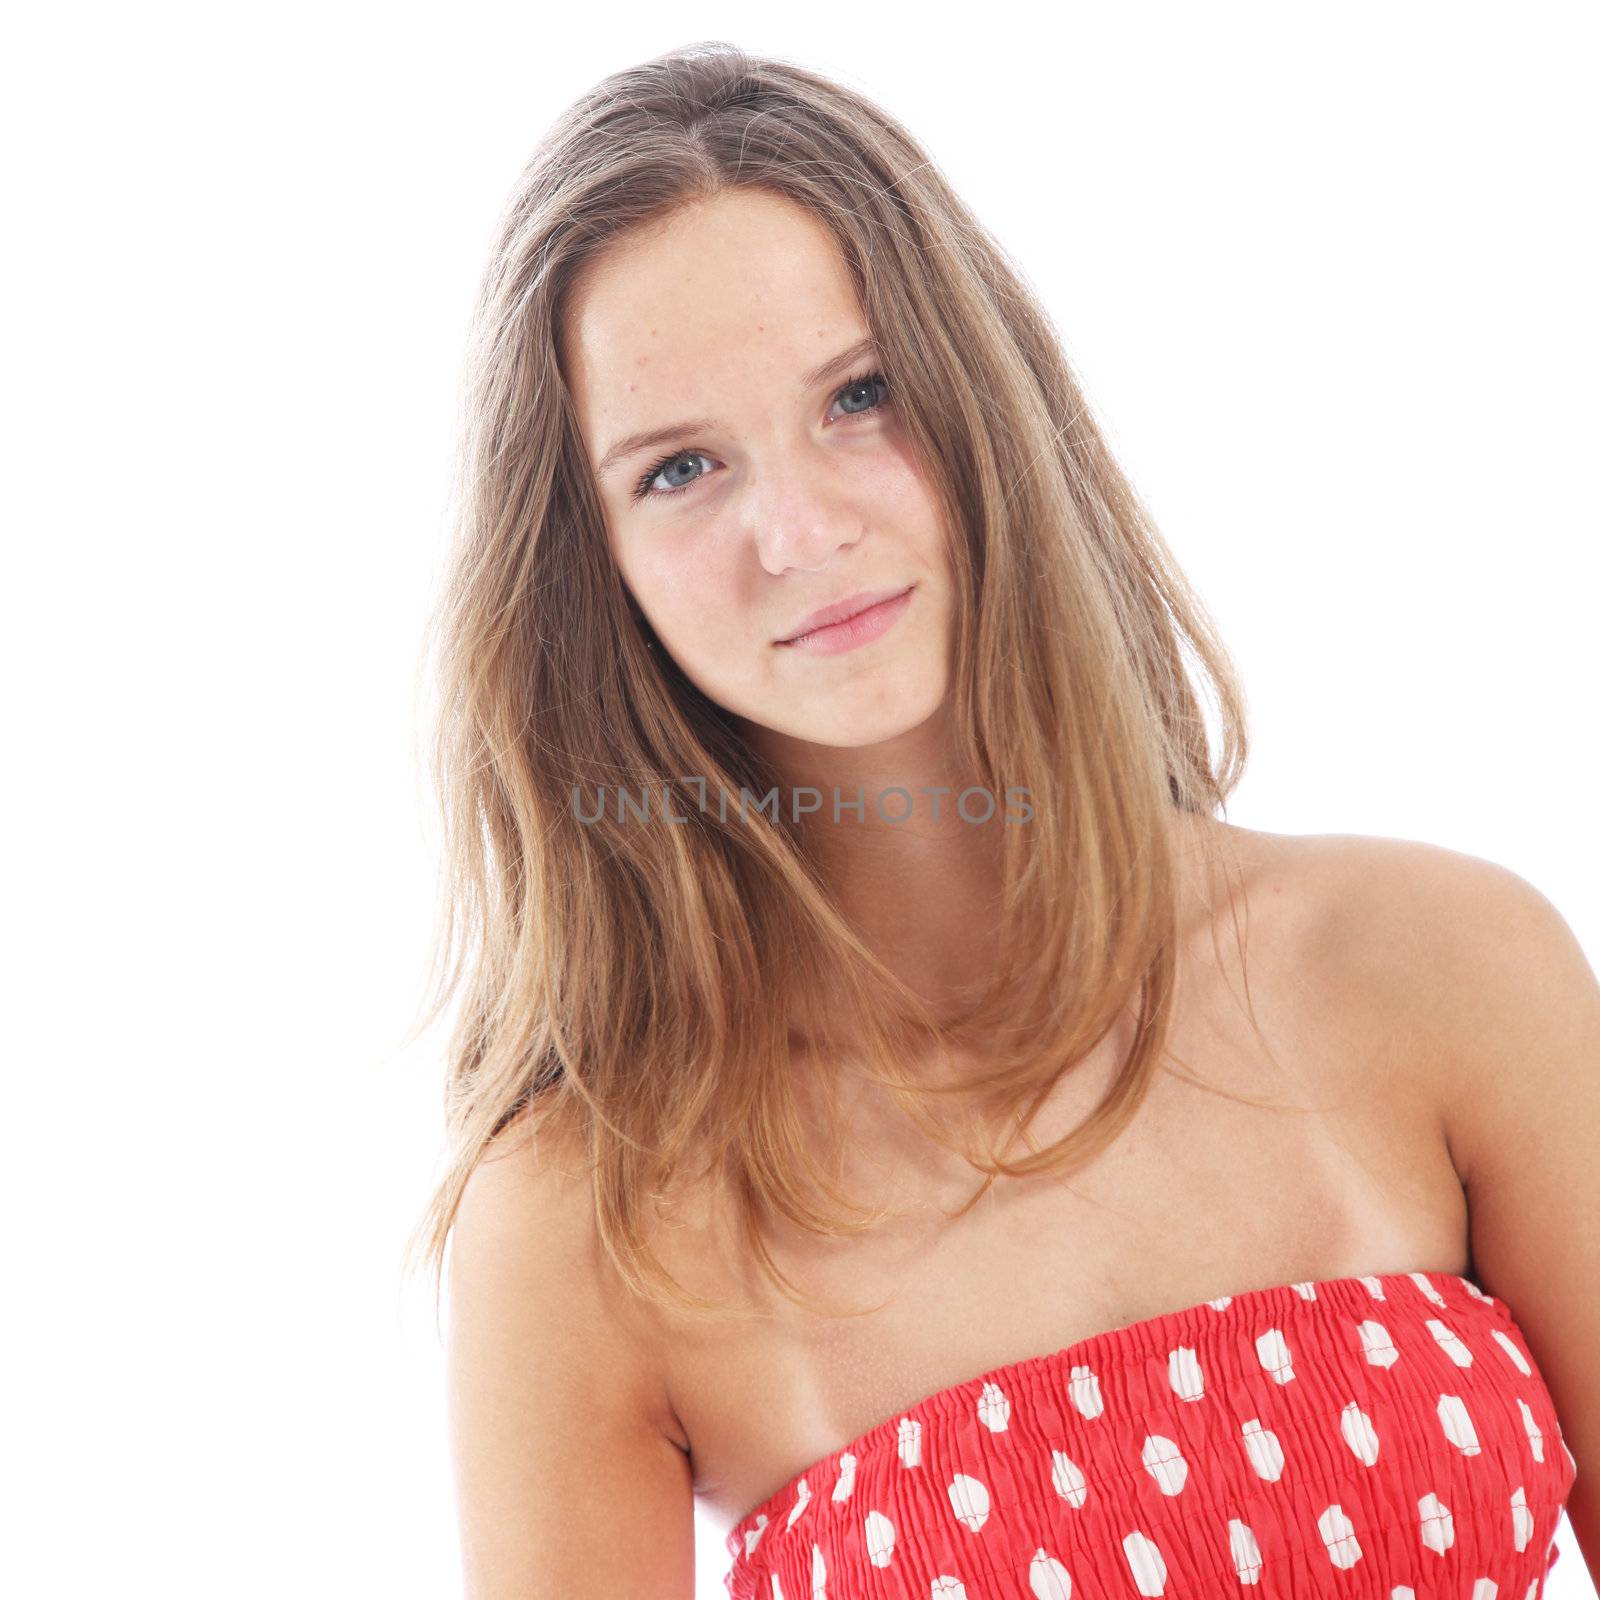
843	611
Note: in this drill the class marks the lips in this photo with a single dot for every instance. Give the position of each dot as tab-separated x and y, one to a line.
842	611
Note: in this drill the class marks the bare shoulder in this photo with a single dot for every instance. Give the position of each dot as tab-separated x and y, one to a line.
1492	1001
1394	909
1426	922
527	1217
1460	962
555	1393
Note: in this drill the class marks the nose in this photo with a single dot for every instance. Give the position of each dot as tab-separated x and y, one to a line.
802	511
806	540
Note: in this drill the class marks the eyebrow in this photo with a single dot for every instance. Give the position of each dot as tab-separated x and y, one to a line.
635	442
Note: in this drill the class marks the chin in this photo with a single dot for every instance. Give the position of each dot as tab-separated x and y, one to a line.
842	726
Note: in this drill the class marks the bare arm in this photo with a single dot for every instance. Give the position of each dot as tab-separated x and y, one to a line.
1504	1009
567	1484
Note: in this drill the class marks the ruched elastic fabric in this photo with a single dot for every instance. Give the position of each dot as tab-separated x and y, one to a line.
1381	1437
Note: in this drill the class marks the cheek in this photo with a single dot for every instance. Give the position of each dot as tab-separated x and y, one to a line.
684	584
899	487
907	503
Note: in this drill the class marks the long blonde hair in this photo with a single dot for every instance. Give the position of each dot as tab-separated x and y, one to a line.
638	986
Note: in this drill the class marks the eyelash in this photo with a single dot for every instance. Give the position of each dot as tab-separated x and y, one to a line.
643	491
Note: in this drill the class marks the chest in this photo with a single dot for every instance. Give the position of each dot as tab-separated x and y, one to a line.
1344	1172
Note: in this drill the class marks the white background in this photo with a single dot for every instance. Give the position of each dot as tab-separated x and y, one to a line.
1328	275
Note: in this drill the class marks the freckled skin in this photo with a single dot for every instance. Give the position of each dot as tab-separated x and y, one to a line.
797	502
799	498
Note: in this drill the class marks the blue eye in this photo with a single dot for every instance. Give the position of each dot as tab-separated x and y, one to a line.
643	491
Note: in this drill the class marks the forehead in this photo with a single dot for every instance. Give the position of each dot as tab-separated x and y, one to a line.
743	276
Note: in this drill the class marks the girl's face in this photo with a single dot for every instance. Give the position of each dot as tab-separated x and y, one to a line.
753	471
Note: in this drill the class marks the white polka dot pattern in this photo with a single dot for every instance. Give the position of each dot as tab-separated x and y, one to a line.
1377	1438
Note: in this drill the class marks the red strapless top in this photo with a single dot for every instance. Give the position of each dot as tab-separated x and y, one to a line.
1386	1437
